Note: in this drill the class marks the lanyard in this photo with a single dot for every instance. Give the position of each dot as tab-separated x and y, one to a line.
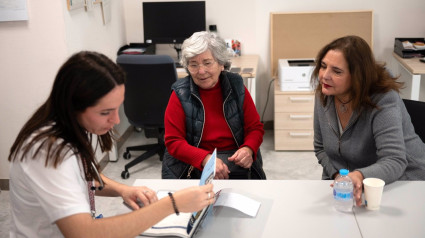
91	188
91	198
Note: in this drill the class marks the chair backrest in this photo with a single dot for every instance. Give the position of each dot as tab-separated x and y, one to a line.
416	110
148	88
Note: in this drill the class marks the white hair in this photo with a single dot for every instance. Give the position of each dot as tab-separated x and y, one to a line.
202	41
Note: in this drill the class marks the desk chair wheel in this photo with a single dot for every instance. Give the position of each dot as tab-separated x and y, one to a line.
125	174
126	155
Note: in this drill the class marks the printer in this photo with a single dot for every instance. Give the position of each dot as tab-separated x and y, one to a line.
294	74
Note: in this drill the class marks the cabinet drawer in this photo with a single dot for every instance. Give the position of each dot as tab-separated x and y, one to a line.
293	139
295	120
294	103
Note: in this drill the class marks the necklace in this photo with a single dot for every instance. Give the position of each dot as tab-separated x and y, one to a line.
343	108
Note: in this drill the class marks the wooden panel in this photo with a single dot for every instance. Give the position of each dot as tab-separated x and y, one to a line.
293	139
284	120
302	35
294	103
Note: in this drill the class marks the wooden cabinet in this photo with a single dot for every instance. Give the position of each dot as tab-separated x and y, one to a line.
290	38
293	120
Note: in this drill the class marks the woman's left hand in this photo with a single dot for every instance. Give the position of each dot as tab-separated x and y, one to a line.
242	157
132	195
357	179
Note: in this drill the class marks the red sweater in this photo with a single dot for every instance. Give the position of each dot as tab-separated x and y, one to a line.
216	133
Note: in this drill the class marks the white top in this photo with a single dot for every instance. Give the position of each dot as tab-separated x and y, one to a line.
40	195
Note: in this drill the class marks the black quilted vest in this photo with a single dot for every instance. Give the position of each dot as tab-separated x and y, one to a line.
233	92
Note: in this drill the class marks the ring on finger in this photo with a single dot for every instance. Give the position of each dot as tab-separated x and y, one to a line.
209	195
146	192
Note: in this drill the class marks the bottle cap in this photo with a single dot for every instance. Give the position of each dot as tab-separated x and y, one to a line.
343	172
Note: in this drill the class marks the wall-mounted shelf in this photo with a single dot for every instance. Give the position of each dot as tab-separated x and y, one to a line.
75	4
88	5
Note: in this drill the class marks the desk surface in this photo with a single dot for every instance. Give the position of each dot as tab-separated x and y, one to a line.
289	208
303	208
402	212
244	61
413	65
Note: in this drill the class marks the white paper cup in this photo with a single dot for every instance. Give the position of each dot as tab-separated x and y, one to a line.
373	188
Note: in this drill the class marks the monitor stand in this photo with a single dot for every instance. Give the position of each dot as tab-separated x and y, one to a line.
178	65
178	49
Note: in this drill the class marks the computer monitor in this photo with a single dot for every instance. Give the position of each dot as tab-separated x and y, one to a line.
172	22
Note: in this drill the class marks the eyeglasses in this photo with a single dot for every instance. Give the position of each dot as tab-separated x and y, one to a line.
194	67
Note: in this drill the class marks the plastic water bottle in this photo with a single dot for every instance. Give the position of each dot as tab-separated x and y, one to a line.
343	192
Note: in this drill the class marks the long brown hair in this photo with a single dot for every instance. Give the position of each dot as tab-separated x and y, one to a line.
81	81
367	76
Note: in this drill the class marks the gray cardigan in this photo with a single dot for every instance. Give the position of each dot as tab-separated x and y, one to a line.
379	142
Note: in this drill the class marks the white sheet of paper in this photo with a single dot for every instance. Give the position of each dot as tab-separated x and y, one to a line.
240	202
181	70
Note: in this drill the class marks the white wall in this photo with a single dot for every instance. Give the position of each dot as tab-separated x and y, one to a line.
392	19
86	31
33	51
249	21
235	19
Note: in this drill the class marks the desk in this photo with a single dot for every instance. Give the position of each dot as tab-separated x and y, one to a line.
402	212
303	208
415	68
289	208
244	61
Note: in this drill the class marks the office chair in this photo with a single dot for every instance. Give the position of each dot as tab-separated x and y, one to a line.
416	110
147	90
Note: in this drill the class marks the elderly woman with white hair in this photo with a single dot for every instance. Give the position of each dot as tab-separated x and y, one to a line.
211	108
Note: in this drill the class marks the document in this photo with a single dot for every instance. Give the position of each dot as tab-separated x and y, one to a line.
237	201
172	225
207	177
235	70
185	225
133	51
208	172
247	70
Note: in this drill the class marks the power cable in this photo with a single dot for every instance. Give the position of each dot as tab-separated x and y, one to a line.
267	100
